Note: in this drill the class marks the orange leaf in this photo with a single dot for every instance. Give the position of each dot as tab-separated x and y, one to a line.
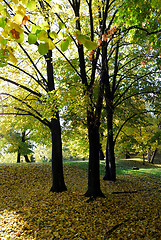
143	63
90	55
104	37
25	19
99	42
15	34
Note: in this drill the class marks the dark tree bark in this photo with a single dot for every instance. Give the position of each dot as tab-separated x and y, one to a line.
58	184
57	163
101	154
26	158
94	108
127	155
18	156
23	140
93	166
143	159
153	156
110	166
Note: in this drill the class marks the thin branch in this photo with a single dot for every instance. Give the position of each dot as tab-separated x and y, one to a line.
66	27
143	29
20	69
105	16
136	94
115	68
110	23
21	114
68	61
8	5
117	102
31	61
91	20
22	101
45	122
38	116
21	86
124	76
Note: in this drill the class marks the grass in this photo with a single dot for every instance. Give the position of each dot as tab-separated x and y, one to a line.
125	166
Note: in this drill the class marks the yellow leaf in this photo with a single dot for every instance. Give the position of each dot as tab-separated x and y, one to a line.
12	58
25	2
21	10
18	18
51	44
43	36
15	1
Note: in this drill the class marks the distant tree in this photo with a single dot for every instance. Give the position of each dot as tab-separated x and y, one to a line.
18	143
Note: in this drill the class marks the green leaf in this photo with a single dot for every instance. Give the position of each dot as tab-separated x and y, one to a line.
3	57
21	38
35	29
4	41
65	44
31	5
43	48
1	7
82	38
90	45
2	22
32	38
61	25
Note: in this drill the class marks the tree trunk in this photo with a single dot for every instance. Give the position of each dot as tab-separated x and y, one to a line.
127	155
153	156
58	184
110	167
23	140
26	158
148	156
18	156
101	154
93	166
143	159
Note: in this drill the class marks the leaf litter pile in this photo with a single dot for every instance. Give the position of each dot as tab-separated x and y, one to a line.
131	209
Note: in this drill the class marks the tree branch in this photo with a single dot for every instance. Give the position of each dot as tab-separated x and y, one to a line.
28	74
32	62
38	116
22	86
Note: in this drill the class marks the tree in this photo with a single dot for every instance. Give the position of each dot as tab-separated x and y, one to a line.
18	142
125	76
35	83
104	47
115	66
117	63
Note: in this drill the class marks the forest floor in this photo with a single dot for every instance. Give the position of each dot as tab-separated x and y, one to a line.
131	209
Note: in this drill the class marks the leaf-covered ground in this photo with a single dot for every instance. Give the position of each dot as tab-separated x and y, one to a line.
131	209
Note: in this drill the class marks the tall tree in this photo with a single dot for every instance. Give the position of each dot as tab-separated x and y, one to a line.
116	66
35	79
